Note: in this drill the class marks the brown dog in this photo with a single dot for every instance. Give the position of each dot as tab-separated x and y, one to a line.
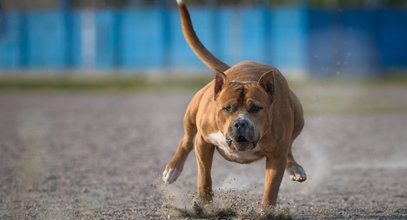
246	113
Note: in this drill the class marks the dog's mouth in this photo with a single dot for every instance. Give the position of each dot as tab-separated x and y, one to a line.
240	143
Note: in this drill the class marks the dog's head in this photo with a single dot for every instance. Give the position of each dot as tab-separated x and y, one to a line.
243	109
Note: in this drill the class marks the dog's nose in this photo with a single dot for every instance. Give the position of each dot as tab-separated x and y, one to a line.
240	125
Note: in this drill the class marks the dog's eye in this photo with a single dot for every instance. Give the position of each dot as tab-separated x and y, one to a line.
255	109
228	108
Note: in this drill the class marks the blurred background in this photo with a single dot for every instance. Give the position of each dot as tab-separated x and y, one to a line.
301	37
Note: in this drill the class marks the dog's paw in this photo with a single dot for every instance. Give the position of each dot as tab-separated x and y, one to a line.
170	175
297	173
200	205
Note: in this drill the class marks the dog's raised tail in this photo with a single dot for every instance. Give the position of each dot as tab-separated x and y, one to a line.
193	41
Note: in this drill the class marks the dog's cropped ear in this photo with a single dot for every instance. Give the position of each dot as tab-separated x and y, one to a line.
267	81
220	80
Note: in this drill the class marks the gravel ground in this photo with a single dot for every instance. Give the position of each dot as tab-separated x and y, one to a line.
100	156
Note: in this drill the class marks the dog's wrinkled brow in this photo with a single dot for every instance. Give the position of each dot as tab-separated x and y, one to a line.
242	83
240	86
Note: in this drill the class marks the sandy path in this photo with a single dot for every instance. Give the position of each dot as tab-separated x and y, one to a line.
95	156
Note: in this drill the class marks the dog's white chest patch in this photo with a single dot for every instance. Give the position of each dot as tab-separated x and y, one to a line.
219	140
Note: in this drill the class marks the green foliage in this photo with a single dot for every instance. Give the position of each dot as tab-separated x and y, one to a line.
319	97
102	83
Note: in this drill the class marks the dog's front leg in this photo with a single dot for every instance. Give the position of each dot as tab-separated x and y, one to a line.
204	156
275	167
176	164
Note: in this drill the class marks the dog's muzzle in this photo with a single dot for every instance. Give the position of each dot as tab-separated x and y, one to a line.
241	135
241	144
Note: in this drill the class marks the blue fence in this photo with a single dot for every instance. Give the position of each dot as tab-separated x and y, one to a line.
357	41
295	39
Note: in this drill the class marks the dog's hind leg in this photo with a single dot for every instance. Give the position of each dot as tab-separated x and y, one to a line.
297	173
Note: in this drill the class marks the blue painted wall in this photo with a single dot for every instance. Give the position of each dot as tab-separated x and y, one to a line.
295	39
363	42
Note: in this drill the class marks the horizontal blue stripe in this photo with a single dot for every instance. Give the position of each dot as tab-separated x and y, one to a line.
297	38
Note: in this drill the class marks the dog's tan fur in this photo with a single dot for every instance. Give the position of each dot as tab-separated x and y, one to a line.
278	123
